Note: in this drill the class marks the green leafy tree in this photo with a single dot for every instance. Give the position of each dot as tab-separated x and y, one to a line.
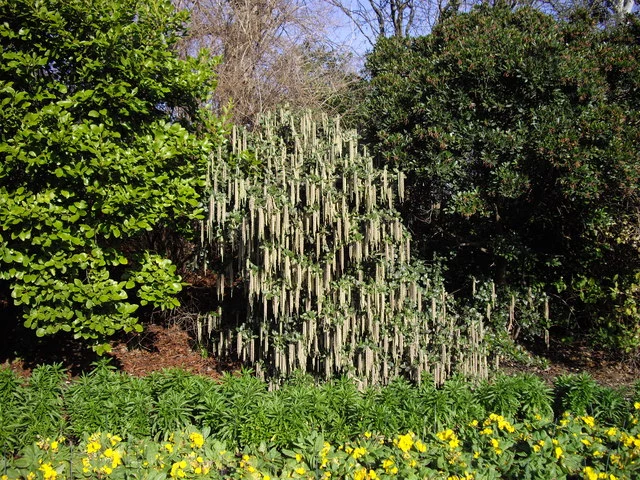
521	136
102	140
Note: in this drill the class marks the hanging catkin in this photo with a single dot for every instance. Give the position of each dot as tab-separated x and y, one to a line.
324	261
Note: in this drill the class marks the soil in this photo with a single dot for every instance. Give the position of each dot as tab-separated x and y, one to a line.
158	347
162	347
578	356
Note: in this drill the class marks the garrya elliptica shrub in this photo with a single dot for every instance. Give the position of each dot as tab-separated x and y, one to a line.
304	228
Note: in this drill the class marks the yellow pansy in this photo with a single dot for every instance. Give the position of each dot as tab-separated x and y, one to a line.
197	440
359	452
557	452
450	437
405	442
590	473
48	472
93	446
589	421
177	469
360	474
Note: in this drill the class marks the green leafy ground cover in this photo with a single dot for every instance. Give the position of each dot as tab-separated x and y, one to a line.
173	424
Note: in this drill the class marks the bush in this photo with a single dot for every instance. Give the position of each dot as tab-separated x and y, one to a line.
102	141
519	136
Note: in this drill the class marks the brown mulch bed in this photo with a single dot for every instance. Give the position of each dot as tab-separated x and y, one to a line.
159	348
577	357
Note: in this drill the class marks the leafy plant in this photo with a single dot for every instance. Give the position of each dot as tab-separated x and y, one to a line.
316	250
105	400
101	141
518	135
39	405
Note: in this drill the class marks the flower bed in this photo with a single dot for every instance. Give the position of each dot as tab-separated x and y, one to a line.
489	448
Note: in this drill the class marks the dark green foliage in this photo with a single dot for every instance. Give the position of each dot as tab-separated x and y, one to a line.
240	411
10	388
581	395
520	397
575	393
101	145
37	408
105	400
520	136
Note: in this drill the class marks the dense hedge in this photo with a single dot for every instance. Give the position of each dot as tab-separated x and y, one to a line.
519	134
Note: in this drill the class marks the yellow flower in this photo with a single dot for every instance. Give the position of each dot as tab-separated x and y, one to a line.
536	448
114	455
612	432
298	457
590	473
421	447
359	452
168	447
627	440
114	439
300	470
557	452
486	431
197	440
367	434
405	442
54	445
266	477
31	476
495	443
177	469
389	466
589	421
86	465
446	435
107	470
360	474
48	472
93	446
636	405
